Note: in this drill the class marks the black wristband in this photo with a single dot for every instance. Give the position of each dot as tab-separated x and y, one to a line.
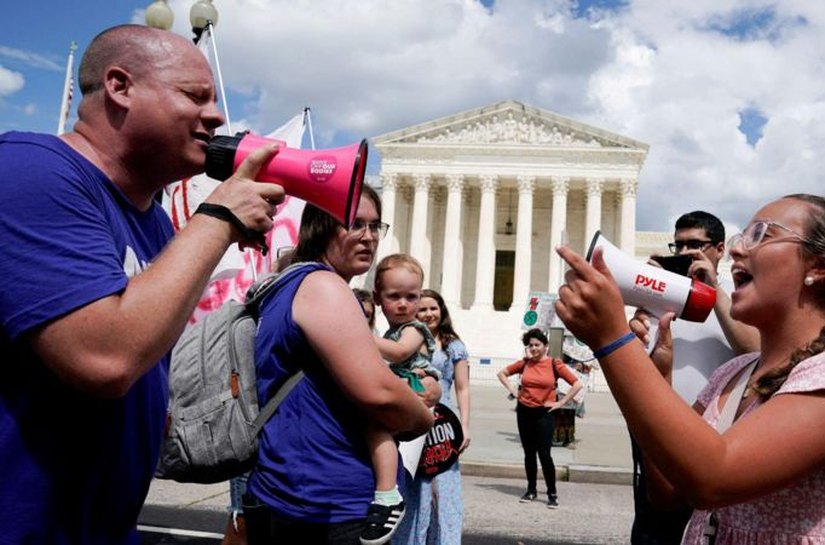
223	213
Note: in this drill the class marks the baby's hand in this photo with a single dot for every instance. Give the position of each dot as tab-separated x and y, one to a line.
432	391
421	373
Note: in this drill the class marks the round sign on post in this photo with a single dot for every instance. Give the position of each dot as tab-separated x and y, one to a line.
442	442
540	311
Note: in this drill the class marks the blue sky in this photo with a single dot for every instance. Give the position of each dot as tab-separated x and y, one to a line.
35	43
727	93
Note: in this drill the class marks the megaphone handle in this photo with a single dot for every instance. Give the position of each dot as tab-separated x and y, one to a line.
258	244
653	333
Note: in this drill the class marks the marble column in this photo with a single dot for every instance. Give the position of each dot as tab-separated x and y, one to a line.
451	269
558	221
485	264
627	237
593	209
389	184
419	247
524	246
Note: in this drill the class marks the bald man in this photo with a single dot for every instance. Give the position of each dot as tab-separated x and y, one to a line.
94	292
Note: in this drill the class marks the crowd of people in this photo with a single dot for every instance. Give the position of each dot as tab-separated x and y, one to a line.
723	415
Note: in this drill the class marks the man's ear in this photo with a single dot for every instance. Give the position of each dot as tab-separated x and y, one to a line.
118	85
719	247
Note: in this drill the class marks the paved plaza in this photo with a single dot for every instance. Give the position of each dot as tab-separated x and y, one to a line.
593	478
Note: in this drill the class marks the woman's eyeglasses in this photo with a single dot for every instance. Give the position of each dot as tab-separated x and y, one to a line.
377	228
754	234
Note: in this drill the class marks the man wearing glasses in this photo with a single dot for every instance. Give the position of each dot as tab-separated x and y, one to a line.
698	349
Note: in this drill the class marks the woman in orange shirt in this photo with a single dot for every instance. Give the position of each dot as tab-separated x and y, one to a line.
534	411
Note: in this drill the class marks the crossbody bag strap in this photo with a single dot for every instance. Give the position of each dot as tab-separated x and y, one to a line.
729	411
725	420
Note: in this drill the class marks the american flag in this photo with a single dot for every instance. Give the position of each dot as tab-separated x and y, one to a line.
68	90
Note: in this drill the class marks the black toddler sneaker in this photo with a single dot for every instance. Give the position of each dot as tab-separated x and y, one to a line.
552	501
382	522
528	496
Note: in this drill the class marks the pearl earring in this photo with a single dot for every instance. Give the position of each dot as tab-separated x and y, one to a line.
809	281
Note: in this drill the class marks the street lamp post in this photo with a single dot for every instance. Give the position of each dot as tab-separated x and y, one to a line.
201	15
204	16
159	15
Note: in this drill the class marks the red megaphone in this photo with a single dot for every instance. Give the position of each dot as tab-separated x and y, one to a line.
331	179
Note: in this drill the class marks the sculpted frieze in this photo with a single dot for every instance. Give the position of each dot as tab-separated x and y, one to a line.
511	129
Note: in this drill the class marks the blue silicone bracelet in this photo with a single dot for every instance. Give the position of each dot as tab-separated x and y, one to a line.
615	345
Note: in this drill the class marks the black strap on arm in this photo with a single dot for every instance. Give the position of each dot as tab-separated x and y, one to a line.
223	213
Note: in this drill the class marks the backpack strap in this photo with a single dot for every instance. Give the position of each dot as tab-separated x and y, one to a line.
269	409
254	297
555	361
260	289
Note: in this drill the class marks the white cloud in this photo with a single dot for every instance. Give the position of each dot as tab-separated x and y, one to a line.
661	72
685	100
10	81
32	59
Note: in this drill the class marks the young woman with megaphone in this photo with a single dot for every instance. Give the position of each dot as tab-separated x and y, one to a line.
761	479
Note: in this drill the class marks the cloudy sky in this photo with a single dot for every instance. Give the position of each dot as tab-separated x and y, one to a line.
729	94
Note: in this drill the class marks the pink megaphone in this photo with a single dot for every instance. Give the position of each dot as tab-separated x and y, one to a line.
330	179
653	288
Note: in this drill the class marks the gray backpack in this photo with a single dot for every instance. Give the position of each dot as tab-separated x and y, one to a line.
213	420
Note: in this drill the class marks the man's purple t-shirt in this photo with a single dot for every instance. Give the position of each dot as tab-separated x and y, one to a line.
74	469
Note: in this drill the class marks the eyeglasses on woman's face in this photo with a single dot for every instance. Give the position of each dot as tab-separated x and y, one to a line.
377	229
754	235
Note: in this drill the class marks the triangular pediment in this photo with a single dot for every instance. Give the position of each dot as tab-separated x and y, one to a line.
507	123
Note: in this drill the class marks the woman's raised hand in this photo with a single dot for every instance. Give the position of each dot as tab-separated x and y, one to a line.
589	302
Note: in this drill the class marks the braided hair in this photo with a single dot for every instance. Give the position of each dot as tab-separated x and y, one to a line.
814	246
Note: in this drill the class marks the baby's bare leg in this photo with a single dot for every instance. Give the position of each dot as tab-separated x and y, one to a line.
384	457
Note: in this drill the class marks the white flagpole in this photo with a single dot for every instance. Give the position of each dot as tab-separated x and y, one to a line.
66	99
309	126
211	29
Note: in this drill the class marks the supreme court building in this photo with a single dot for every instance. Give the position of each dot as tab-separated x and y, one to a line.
482	197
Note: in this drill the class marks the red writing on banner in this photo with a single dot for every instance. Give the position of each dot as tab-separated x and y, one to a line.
435	455
441	443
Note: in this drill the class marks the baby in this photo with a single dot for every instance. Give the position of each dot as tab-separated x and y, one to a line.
408	346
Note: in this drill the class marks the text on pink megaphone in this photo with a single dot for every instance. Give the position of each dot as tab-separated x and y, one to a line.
331	179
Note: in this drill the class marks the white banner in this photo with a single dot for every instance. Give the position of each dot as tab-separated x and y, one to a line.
233	275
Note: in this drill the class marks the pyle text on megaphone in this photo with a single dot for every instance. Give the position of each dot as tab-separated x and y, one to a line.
655	289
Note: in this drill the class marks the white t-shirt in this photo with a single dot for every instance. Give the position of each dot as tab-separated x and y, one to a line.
698	349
